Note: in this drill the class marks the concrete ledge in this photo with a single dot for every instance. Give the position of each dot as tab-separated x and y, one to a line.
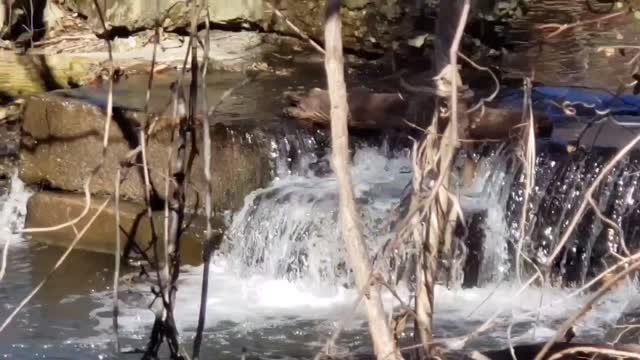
46	209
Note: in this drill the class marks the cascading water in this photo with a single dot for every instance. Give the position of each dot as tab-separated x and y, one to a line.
13	210
290	230
283	269
562	179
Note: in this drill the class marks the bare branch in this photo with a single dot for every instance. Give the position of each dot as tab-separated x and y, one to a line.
604	289
295	28
383	343
562	27
588	194
116	270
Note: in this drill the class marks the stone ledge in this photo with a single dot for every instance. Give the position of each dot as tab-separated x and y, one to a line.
46	209
62	143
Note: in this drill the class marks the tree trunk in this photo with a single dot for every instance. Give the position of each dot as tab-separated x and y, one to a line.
384	346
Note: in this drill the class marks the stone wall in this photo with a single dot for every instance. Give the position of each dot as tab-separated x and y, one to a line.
62	144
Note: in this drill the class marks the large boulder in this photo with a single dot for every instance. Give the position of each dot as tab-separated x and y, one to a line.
135	15
368	25
62	136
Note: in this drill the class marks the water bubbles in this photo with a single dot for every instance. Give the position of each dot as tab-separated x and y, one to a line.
290	230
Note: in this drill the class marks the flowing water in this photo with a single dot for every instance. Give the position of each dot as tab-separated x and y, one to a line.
279	287
281	284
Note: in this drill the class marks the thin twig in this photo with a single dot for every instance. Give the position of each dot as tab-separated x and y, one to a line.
116	270
208	246
604	289
295	28
588	194
107	124
493	76
562	27
85	211
58	39
618	354
528	170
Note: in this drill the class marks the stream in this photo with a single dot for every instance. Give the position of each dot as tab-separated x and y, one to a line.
277	286
280	284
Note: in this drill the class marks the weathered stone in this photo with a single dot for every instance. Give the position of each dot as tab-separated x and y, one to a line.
135	15
367	25
474	242
31	74
46	209
62	144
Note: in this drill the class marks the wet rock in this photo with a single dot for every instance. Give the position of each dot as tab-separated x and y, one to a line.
474	242
62	136
367	25
46	209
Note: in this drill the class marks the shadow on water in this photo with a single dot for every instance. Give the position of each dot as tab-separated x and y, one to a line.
60	312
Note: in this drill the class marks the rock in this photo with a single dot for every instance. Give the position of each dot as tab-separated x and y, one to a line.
46	209
20	15
133	15
366	25
62	135
31	74
474	242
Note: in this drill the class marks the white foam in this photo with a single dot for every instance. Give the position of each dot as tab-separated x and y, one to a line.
13	209
259	302
297	214
291	229
535	309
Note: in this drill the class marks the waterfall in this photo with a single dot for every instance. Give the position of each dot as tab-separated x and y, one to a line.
13	209
562	178
283	269
291	229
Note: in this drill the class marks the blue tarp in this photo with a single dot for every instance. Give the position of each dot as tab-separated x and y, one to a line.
549	99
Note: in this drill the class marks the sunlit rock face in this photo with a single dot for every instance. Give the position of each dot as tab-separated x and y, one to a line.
135	15
371	26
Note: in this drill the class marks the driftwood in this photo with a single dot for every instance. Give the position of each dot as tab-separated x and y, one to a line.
380	111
